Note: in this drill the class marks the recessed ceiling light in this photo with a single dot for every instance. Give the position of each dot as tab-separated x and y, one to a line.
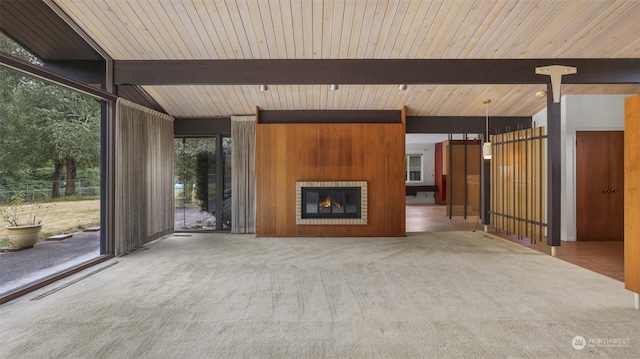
402	87
264	88
541	93
333	87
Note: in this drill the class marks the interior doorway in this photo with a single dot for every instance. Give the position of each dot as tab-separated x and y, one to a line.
600	185
442	182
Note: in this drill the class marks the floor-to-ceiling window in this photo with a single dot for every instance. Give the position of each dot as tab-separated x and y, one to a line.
202	187
50	177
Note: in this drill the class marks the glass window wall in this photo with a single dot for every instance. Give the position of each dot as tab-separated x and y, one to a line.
202	189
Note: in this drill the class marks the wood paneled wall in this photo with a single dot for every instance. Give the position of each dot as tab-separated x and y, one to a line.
632	194
286	153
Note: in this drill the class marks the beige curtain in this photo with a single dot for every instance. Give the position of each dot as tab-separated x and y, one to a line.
243	174
144	176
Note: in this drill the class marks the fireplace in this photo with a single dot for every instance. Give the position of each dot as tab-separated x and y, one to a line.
331	202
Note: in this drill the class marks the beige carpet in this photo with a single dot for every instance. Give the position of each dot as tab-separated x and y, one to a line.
429	295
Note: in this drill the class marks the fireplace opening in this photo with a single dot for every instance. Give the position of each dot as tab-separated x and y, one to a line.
331	202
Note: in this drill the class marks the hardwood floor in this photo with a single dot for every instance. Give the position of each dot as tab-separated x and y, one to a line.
433	218
604	257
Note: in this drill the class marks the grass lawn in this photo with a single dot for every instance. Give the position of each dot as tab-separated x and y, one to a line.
66	217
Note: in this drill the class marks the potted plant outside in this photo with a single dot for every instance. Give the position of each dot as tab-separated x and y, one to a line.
24	221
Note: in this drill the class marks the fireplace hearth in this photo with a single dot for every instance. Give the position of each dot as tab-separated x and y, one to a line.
331	202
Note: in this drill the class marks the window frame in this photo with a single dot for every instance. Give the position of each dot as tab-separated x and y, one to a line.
407	168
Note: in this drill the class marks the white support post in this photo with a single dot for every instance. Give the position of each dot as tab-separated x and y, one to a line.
636	300
553	251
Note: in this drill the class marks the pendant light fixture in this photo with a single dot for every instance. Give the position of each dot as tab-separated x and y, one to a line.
486	147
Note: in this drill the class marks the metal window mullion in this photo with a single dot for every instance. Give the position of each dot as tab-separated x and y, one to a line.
219	182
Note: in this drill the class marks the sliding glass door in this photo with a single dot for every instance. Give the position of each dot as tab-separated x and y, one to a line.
202	189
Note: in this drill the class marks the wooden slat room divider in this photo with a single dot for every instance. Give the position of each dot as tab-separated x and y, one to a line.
518	182
461	165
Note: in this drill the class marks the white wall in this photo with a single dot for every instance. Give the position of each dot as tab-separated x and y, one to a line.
427	150
581	113
425	145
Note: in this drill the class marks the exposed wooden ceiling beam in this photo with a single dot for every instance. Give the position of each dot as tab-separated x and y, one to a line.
466	124
372	71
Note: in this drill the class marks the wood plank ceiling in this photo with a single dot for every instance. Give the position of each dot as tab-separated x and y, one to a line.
360	29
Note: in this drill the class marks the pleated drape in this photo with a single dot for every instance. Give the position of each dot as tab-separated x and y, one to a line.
144	176
243	174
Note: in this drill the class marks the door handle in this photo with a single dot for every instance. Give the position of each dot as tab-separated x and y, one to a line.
607	191
613	191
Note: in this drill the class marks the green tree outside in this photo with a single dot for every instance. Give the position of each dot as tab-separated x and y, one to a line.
44	126
194	161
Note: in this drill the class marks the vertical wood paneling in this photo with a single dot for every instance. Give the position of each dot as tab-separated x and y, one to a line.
463	177
222	31
275	35
411	29
287	153
359	29
318	18
632	194
427	100
518	182
440	179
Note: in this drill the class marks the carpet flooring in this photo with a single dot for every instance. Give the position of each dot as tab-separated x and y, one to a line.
428	295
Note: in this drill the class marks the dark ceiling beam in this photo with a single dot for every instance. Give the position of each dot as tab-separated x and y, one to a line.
466	124
330	116
140	96
199	127
87	71
372	71
28	69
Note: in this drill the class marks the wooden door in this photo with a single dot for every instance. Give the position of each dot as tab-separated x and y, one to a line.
440	177
616	185
599	185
